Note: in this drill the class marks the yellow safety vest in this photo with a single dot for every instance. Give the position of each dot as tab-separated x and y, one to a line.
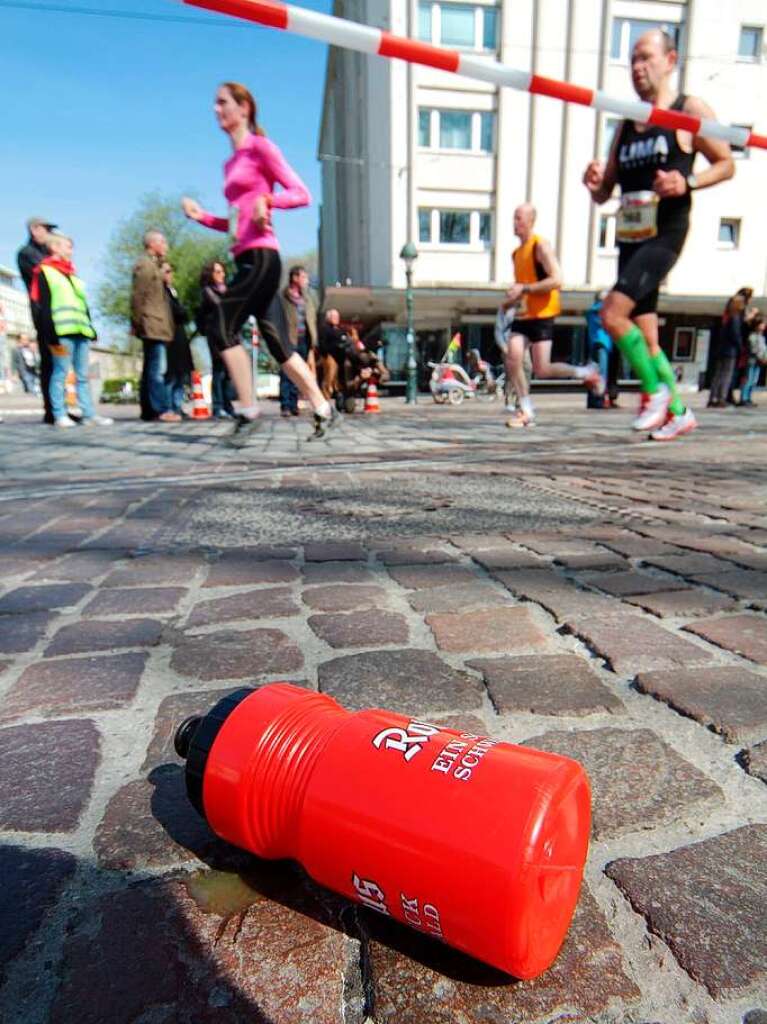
69	310
527	270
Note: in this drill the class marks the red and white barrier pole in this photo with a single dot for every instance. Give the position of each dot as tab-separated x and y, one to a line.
353	36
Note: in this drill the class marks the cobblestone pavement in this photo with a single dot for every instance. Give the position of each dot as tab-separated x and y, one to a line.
569	587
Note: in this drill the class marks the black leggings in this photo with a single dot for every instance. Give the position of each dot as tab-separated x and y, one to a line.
250	293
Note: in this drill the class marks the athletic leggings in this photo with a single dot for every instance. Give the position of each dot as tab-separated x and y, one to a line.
250	293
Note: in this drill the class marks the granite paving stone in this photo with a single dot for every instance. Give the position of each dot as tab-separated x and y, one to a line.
416	980
208	947
707	903
489	629
75	685
559	596
421	577
631	545
365	628
501	556
42	598
630	644
150	823
628	584
335	551
742	583
336	572
755	1017
344	597
20	633
135	601
412	554
690	564
458	599
79	566
548	684
235	654
595	561
246	569
731	700
104	635
46	774
267	603
160	570
32	881
637	780
410	682
742	634
682	603
465	723
755	761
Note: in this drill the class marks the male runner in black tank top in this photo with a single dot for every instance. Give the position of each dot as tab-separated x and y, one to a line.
653	167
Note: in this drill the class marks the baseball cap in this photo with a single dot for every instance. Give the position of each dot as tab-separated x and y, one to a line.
34	222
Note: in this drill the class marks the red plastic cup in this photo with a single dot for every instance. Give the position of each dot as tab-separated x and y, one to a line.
478	843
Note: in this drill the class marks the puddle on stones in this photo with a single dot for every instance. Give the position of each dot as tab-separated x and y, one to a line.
221	893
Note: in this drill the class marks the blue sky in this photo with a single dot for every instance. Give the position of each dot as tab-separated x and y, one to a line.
98	111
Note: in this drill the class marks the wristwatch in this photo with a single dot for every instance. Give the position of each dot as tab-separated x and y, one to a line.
692	182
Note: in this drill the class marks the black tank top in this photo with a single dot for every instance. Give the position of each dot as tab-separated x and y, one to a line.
641	154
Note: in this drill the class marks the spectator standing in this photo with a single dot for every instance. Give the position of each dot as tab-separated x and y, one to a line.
603	353
25	365
728	350
331	347
212	286
29	255
179	356
298	324
152	322
65	325
757	358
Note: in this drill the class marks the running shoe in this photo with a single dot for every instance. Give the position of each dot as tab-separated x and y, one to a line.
322	424
594	380
243	428
653	416
98	421
676	426
520	419
63	423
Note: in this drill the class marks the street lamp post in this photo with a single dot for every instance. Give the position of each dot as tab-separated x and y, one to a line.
409	255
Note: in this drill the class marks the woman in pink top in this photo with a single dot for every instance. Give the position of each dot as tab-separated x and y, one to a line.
250	176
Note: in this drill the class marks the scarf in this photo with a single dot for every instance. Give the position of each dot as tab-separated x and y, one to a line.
64	266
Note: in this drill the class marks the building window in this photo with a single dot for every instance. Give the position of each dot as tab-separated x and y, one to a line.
455	227
612	124
626	32
729	232
468	130
467	26
750	43
684	345
607	225
424	127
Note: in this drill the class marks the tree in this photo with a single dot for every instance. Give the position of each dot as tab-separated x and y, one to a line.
189	248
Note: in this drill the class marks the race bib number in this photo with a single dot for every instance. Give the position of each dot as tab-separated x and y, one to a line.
637	217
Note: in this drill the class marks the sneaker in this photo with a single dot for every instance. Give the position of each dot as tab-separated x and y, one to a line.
322	424
98	421
520	419
675	426
63	423
243	428
594	380
653	416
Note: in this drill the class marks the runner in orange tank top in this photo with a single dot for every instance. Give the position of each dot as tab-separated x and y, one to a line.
538	279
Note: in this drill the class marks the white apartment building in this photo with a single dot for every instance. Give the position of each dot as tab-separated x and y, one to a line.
413	153
14	305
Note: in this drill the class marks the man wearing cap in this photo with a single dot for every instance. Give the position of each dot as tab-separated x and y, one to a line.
28	256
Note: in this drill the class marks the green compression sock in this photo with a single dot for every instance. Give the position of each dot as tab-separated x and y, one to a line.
634	348
666	376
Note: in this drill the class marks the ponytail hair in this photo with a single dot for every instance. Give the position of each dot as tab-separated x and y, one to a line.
242	95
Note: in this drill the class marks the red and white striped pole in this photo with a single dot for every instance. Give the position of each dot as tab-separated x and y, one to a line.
353	36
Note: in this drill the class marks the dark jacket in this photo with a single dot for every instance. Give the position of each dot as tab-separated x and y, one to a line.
28	257
333	342
150	310
730	336
179	354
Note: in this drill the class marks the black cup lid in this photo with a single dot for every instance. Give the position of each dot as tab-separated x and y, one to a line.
195	737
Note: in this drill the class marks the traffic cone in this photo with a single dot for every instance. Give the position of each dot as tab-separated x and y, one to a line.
200	410
371	399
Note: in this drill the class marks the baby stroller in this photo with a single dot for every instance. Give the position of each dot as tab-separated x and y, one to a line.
450	383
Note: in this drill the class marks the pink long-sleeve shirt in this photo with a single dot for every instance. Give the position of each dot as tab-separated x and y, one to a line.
252	171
